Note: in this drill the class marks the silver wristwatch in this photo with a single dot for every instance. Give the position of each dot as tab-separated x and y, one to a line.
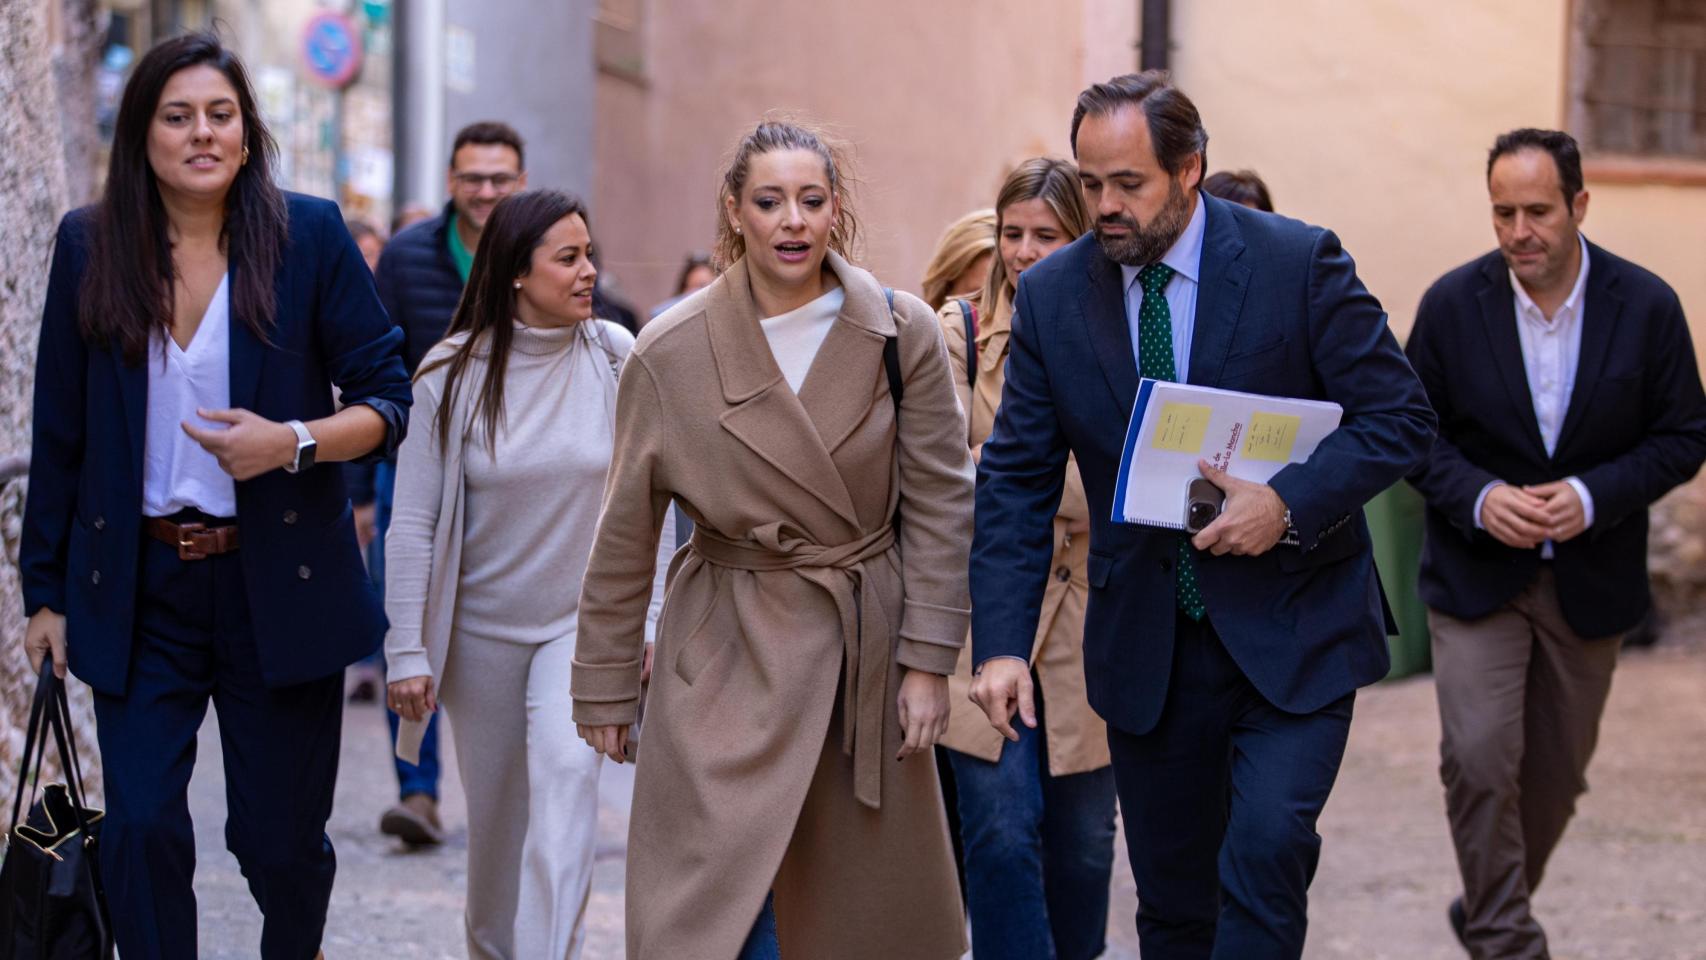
305	447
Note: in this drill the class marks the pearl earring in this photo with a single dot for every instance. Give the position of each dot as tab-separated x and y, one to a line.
737	231
518	284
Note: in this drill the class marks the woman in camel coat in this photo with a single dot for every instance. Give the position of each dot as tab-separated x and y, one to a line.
798	654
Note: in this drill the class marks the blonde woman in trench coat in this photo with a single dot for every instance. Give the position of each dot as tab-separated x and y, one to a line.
798	655
1036	816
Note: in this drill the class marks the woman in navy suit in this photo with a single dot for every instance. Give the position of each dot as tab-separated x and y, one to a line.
183	539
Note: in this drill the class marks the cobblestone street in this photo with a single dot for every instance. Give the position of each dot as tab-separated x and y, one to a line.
1628	883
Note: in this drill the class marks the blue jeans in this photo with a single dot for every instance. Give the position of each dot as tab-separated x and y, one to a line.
411	778
761	943
1039	852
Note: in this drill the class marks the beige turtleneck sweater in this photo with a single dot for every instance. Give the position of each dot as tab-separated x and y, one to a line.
530	504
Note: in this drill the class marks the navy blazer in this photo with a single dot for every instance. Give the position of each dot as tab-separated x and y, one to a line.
313	609
1635	428
1280	311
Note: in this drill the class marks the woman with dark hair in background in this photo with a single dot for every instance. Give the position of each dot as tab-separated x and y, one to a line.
802	415
368	240
1036	816
696	274
498	493
1241	187
185	538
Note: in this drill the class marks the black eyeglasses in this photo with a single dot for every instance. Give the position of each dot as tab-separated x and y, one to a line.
474	181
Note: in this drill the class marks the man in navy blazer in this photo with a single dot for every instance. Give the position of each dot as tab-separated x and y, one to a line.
1569	399
1225	666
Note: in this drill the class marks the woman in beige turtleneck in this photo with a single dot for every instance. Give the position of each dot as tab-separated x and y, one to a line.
1036	816
498	493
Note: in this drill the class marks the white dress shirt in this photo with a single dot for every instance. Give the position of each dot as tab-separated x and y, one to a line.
1185	257
795	336
177	472
1551	353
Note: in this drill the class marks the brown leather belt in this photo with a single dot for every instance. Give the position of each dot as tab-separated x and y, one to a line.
195	541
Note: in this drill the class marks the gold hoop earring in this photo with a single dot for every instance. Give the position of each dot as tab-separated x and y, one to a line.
245	157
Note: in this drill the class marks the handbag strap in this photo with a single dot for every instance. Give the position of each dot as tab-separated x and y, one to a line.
68	756
50	715
35	740
59	721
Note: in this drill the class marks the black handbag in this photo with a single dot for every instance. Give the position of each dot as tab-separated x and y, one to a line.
51	903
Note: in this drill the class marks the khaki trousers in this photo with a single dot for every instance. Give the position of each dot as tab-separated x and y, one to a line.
1520	697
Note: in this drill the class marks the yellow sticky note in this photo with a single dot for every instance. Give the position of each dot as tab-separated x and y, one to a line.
1181	427
1271	437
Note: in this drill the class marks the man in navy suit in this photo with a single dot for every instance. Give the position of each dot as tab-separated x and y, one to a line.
1225	665
1569	399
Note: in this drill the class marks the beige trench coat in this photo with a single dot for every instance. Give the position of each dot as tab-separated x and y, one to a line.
771	722
1076	738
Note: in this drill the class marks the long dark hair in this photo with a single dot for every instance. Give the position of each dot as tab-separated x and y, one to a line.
486	312
127	291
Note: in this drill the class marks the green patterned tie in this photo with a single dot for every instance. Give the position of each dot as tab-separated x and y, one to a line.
1155	362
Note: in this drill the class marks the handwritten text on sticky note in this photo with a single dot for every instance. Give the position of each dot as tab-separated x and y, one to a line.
1181	427
1271	437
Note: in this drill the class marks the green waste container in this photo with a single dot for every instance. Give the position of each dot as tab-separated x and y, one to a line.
1395	521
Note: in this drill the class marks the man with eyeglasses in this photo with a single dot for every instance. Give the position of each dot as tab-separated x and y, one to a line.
420	279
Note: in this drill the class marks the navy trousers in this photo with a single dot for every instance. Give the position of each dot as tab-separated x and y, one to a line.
1220	802
193	644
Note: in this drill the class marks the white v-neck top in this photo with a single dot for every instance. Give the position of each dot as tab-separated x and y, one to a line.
177	472
795	336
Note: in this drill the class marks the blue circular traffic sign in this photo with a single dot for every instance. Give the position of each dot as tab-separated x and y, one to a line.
331	49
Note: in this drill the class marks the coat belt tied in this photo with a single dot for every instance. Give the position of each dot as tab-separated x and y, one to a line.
866	634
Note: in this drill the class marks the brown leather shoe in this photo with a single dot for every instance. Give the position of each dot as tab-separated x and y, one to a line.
414	821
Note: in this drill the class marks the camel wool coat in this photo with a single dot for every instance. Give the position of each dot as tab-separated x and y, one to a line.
1076	739
771	722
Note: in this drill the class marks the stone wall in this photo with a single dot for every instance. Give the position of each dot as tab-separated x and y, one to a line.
1676	557
33	196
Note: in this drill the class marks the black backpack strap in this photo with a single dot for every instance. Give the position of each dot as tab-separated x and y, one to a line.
968	313
897	387
891	362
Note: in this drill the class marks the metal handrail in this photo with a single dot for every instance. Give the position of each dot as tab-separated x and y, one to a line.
13	466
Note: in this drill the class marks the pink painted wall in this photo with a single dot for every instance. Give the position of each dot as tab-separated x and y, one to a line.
938	99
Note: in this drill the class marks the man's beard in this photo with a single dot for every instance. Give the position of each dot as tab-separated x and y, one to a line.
1143	245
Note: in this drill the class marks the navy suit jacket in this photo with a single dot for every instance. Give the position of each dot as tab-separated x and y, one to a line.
1280	311
1635	428
312	607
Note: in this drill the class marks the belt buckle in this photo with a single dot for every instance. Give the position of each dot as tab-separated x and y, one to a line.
187	534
